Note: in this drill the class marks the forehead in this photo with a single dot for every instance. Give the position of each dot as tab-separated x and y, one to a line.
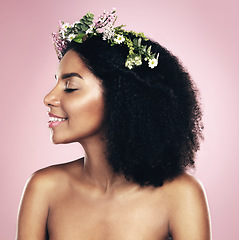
71	65
71	62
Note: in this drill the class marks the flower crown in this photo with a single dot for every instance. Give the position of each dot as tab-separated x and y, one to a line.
104	27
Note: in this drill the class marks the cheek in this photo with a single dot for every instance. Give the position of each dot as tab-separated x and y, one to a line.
86	113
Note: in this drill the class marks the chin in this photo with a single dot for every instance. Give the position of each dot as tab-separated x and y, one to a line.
60	140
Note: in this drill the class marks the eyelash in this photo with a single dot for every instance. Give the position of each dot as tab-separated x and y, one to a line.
69	90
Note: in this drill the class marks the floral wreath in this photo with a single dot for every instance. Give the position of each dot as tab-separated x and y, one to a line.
104	26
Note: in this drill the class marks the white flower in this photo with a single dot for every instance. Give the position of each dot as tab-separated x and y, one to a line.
137	60
129	63
119	39
65	26
89	30
108	33
71	37
129	66
153	62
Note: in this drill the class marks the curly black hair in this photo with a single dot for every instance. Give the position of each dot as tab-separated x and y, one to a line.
153	116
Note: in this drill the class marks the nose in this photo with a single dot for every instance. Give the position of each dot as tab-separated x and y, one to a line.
52	98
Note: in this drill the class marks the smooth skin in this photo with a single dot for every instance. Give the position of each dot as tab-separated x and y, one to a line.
85	199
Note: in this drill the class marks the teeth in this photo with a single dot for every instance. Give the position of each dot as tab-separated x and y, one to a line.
55	119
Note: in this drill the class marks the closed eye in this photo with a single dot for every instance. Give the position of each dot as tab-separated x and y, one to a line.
69	90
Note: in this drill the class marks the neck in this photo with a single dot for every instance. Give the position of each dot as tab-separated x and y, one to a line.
97	171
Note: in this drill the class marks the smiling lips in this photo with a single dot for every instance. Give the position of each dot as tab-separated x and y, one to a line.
55	120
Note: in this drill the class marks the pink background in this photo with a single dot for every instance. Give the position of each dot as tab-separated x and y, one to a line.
204	34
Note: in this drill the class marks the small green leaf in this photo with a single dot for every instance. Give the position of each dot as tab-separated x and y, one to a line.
78	26
135	41
89	14
80	33
139	42
144	48
84	27
79	38
90	18
87	22
149	49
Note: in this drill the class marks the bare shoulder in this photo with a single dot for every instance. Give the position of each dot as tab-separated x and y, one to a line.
185	184
41	188
185	190
188	208
49	177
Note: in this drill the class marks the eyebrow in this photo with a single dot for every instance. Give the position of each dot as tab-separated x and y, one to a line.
68	75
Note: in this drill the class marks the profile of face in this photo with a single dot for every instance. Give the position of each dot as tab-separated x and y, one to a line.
78	98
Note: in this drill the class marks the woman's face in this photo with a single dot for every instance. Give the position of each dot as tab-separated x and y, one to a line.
77	98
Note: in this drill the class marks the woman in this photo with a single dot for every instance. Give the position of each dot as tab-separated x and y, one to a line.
134	109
